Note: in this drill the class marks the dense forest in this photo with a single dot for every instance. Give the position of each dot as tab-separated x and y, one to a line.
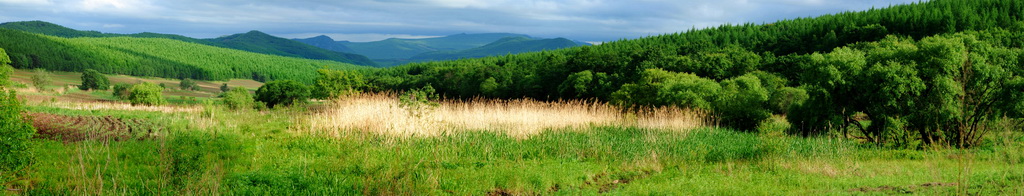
154	57
933	72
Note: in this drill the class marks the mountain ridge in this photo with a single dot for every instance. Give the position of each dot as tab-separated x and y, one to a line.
267	44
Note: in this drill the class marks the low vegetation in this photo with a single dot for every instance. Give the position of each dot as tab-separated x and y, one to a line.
915	99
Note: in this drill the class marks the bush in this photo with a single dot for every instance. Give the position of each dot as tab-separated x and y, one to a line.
15	133
5	69
92	79
333	84
784	98
282	92
122	90
41	78
238	98
188	84
146	94
742	103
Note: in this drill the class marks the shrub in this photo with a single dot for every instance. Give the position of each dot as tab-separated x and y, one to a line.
418	101
282	92
122	90
238	98
41	78
92	79
785	97
334	84
15	133
741	103
5	69
188	84
146	94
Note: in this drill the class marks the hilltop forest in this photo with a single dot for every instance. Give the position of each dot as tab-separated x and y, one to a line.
935	72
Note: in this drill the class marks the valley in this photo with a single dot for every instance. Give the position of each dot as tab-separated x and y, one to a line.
922	98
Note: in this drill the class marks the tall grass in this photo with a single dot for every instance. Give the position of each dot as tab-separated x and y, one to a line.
382	114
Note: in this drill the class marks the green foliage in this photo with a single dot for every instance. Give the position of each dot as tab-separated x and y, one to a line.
660	88
188	84
282	92
15	136
123	90
41	78
5	69
156	57
146	94
419	101
92	79
742	103
238	98
333	84
785	98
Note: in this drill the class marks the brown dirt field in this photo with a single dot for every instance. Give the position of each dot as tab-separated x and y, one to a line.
77	128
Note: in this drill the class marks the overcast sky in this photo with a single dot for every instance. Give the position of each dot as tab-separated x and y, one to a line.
369	20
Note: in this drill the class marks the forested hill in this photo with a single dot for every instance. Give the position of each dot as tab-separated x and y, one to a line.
259	42
508	45
157	57
253	42
902	65
397	51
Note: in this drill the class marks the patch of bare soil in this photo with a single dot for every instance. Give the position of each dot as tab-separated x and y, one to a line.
900	189
77	128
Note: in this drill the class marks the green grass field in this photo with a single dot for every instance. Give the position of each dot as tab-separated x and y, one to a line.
200	149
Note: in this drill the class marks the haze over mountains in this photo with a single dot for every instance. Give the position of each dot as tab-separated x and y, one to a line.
396	51
383	53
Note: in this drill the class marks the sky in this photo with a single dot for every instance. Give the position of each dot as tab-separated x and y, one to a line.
370	20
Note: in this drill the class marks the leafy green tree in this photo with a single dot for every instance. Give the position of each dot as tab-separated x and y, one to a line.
336	83
15	130
5	68
41	78
742	103
782	100
238	98
490	87
663	88
122	91
146	94
188	84
15	135
92	79
282	92
419	101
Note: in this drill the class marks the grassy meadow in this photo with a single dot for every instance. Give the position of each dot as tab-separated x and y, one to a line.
370	145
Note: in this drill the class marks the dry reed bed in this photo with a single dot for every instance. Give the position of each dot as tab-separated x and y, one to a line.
521	118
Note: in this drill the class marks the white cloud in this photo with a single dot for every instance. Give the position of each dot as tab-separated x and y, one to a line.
366	20
27	2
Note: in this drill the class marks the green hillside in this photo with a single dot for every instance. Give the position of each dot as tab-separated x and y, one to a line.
259	42
388	49
51	29
325	42
397	51
154	57
926	68
508	45
253	42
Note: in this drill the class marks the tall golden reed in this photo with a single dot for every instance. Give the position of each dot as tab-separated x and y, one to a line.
381	113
